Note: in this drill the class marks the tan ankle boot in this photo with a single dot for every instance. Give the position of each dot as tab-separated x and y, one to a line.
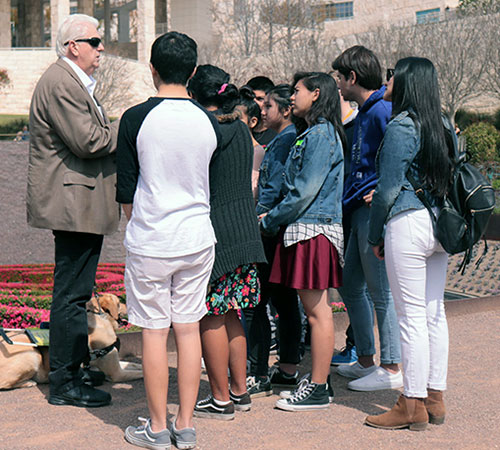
406	413
435	406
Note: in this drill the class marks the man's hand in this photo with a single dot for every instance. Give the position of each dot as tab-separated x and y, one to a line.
369	197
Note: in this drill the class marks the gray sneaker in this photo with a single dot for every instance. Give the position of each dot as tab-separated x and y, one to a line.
185	438
143	436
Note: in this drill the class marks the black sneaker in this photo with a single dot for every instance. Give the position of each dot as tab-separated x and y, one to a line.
93	377
241	402
303	382
258	387
312	396
83	396
209	409
282	379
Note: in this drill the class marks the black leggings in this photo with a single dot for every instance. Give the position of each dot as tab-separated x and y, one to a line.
285	300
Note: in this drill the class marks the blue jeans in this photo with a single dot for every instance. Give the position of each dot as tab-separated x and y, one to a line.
365	282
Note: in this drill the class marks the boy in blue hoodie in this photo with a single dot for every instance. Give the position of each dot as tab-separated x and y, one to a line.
359	78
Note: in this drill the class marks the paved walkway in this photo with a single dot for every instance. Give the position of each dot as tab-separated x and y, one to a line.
27	421
473	399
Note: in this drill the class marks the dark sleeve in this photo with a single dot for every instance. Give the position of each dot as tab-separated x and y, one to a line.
127	162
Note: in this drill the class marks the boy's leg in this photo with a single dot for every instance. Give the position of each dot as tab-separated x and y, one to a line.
189	287
216	354
237	352
187	337
155	367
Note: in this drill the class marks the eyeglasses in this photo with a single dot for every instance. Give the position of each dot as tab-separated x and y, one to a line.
94	41
389	74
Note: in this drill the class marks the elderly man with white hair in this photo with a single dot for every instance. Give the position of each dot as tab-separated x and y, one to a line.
71	191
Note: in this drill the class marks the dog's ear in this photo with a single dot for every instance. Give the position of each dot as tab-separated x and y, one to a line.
93	305
122	309
110	303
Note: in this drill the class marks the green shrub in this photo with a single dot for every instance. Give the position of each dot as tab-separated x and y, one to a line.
482	142
464	118
497	119
496	184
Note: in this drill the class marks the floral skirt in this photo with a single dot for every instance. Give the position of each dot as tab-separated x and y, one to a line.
235	290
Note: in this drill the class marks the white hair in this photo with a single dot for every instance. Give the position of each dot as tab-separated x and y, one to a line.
73	27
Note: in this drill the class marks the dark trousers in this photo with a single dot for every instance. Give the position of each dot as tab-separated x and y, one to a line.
285	301
76	258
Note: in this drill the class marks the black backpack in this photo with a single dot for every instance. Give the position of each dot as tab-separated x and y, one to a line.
466	209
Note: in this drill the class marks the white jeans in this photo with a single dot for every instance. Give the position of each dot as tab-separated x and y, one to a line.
416	267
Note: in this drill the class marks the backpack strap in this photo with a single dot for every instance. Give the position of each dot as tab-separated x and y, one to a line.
419	192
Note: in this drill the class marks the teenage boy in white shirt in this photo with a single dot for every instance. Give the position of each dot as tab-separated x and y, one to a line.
164	150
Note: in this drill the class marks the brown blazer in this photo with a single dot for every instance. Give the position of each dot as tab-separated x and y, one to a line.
72	170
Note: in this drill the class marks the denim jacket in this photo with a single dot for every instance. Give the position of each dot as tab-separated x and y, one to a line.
394	193
271	169
314	175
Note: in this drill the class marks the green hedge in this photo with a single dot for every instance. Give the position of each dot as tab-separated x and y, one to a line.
464	118
12	126
483	141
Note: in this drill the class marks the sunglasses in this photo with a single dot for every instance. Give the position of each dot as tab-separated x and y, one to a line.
389	74
94	41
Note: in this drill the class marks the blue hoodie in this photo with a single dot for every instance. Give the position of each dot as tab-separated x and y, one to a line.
369	129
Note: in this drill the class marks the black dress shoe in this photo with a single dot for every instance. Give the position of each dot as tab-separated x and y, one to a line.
84	396
93	377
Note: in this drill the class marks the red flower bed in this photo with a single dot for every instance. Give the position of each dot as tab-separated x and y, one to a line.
22	316
41	276
26	290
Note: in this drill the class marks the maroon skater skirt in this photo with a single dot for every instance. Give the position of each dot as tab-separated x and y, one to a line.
310	264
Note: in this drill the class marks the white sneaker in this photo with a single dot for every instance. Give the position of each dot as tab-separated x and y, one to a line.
355	371
377	380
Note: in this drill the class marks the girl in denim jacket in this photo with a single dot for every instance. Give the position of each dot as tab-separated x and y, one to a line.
308	256
416	263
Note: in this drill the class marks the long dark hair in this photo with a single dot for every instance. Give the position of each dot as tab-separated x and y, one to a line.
282	95
327	105
416	90
210	87
247	99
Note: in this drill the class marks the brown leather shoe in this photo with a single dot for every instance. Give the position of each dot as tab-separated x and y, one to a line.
435	406
406	413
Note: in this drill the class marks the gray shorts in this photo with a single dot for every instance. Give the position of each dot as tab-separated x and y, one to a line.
165	290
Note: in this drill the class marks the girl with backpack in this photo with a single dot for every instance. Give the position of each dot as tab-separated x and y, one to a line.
308	219
414	143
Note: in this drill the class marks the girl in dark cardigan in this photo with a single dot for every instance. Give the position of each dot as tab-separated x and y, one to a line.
234	283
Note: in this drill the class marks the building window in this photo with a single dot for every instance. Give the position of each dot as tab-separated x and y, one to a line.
334	11
428	16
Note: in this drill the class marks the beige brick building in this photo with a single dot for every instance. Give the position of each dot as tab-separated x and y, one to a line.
29	26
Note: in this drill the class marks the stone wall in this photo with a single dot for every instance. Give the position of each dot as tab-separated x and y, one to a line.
25	67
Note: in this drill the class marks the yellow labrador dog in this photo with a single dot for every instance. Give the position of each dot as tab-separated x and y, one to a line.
24	366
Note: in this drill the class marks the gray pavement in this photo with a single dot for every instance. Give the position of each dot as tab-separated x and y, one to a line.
27	421
472	422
